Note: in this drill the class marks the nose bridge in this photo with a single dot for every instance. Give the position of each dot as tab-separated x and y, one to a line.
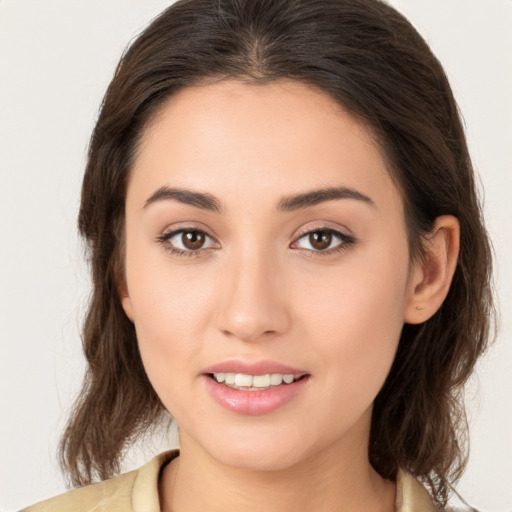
252	300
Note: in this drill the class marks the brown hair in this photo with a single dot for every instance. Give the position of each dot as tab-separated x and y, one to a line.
371	60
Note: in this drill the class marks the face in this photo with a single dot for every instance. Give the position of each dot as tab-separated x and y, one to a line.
264	237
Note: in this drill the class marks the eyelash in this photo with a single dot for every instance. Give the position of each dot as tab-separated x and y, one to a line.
345	241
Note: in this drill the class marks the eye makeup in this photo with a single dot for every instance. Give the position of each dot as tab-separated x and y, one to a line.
191	241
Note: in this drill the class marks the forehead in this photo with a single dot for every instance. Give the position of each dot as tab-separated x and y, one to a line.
246	142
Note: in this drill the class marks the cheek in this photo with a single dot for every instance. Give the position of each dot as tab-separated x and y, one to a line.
171	309
163	310
355	317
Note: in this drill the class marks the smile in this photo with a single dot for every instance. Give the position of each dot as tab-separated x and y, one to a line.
253	395
246	382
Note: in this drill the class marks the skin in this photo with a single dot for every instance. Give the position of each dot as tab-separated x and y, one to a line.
260	290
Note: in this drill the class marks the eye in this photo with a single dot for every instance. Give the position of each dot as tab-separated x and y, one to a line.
324	240
186	242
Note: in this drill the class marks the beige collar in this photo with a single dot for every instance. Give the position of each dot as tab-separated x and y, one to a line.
137	491
411	496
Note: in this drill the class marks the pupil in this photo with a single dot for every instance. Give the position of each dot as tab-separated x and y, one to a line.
193	239
320	239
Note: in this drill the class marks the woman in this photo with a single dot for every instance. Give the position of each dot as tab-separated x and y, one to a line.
288	256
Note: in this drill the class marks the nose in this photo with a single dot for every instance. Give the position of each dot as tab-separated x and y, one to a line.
252	303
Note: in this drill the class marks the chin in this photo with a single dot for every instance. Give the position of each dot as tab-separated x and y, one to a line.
259	451
257	459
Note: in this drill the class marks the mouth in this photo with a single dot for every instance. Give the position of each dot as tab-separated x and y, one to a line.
254	388
248	382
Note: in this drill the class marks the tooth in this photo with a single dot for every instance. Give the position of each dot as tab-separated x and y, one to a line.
261	381
288	379
220	377
243	380
230	378
276	379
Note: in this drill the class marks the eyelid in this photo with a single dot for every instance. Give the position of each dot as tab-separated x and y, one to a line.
169	233
346	239
343	232
324	227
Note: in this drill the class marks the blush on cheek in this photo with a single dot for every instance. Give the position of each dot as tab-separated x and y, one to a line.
357	326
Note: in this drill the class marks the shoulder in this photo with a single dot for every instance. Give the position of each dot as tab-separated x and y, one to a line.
91	497
411	496
122	493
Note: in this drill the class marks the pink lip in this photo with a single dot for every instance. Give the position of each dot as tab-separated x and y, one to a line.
253	402
253	368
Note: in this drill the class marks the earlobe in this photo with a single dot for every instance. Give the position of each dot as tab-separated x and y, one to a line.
127	306
432	276
126	302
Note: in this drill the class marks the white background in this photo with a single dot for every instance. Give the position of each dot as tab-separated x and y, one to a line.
56	59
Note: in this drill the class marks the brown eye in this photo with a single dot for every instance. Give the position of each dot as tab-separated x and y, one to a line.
324	241
186	241
192	240
320	240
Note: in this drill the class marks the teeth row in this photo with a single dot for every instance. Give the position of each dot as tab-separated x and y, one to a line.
256	381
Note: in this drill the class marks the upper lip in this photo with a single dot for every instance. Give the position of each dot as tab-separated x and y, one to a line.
253	368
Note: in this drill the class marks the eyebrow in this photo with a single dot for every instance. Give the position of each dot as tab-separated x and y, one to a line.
201	200
314	197
206	201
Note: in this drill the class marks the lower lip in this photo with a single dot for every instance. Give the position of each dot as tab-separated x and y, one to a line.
254	402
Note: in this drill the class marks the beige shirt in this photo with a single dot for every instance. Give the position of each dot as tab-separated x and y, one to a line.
137	491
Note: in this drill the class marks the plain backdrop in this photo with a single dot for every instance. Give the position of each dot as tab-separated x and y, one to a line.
56	59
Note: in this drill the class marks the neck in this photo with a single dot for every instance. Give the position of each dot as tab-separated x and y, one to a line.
334	479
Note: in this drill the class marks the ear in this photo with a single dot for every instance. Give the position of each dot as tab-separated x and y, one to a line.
127	306
432	276
126	302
